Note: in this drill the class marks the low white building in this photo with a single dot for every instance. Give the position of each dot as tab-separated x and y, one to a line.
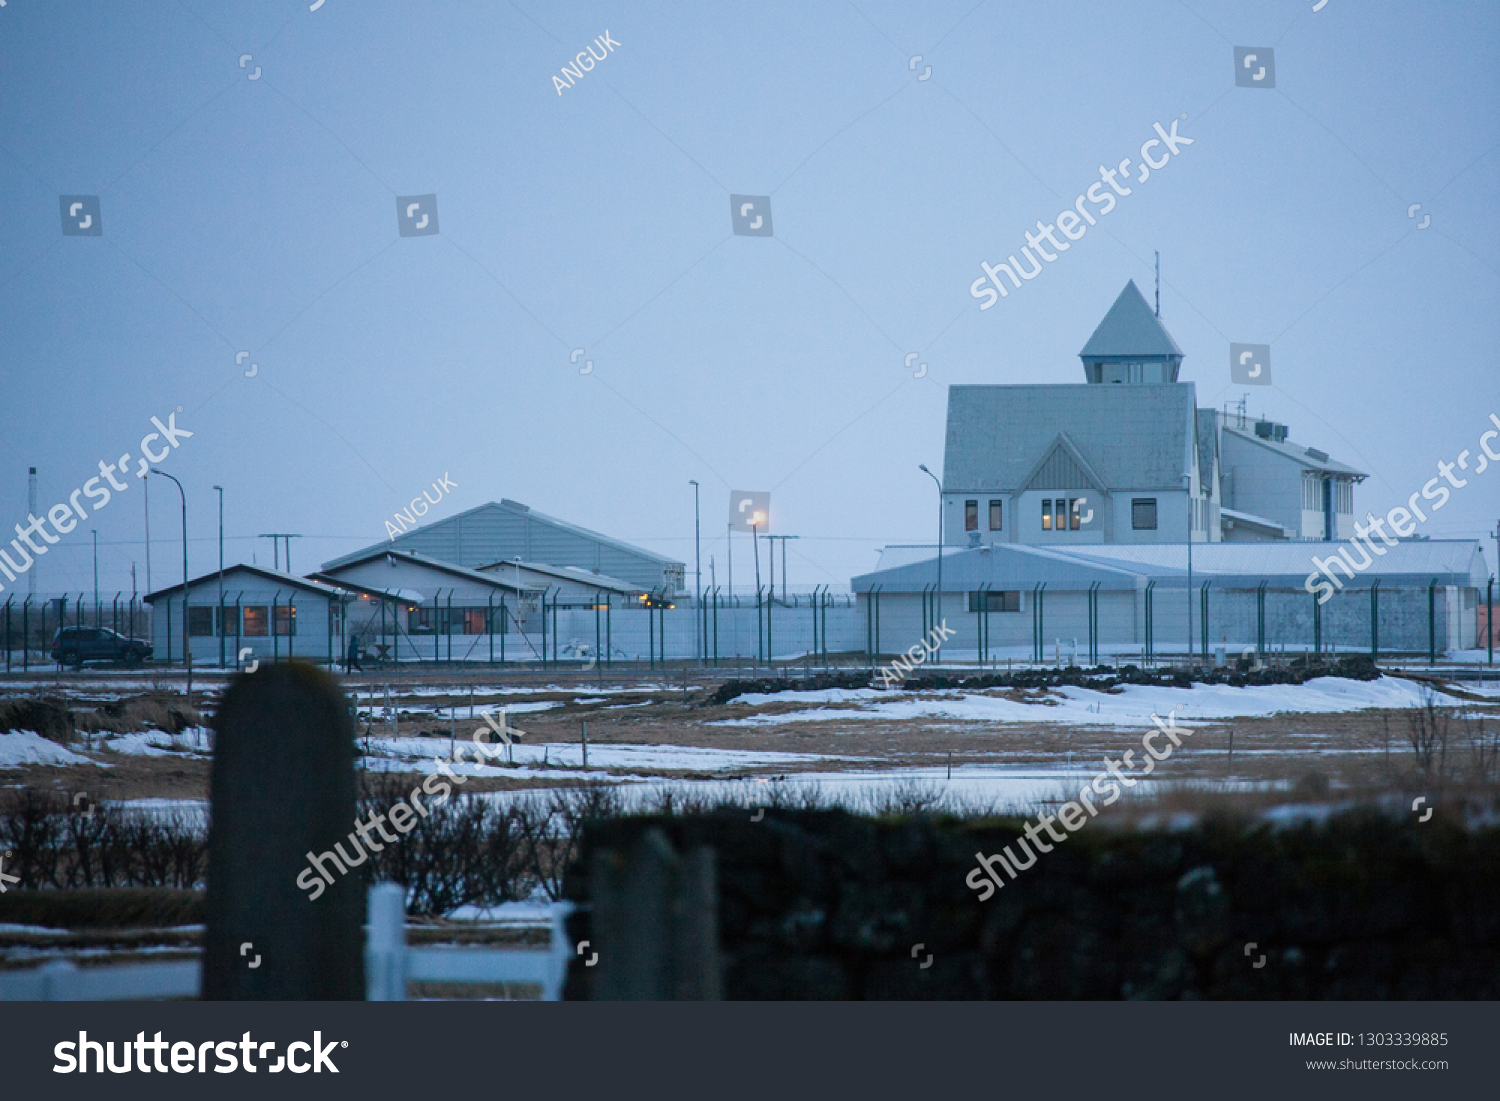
257	614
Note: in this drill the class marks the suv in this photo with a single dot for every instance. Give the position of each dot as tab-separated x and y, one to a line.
76	645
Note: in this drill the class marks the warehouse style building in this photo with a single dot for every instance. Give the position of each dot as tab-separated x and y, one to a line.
506	530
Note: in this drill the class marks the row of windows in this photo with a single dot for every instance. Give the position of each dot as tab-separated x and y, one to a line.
1064	514
256	619
971	515
1315	492
1067	510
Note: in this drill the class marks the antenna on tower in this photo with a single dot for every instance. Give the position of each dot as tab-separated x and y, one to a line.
1158	284
30	513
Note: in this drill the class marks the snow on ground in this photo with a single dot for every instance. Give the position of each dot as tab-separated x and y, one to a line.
19	748
396	752
1133	706
158	743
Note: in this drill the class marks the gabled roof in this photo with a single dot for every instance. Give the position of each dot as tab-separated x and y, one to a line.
1130	329
567	573
1063	457
516	509
1131	437
493	581
257	571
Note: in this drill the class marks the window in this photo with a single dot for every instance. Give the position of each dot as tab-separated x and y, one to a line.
991	601
286	619
1143	513
1047	514
971	516
200	621
256	619
1076	520
995	515
231	625
473	621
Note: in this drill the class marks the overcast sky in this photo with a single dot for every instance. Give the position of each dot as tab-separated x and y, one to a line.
260	215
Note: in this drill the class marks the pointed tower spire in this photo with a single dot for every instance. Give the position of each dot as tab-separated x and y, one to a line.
1131	344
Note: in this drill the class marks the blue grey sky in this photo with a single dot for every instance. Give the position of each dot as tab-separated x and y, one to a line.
260	215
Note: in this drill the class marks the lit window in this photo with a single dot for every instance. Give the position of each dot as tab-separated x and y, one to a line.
995	515
286	619
1047	514
256	620
1143	513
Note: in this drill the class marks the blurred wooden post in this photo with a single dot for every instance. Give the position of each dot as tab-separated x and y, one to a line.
655	923
283	786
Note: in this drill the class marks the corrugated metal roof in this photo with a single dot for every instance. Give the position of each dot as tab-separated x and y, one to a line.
1136	436
505	529
1000	566
1130	329
1444	559
910	569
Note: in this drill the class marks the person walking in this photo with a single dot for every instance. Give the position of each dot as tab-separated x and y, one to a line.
351	661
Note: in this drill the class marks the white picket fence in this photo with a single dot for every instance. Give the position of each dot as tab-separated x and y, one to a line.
389	965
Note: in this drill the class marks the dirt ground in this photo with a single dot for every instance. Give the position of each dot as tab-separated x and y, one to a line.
1350	749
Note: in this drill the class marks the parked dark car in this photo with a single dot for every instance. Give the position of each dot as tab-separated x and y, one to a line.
76	645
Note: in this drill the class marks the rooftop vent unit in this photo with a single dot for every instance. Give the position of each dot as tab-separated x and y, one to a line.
1269	430
1316	455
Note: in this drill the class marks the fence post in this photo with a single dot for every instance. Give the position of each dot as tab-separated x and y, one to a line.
1204	617
282	796
1432	622
1260	618
1317	625
1375	620
655	922
385	950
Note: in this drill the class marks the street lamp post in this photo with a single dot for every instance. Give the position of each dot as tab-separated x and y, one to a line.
95	532
219	611
1187	480
939	617
187	651
697	572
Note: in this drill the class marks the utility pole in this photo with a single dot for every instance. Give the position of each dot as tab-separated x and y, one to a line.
697	573
146	485
276	547
219	611
934	477
95	532
31	513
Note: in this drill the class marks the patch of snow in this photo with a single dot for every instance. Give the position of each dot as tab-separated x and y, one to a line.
19	748
1132	706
